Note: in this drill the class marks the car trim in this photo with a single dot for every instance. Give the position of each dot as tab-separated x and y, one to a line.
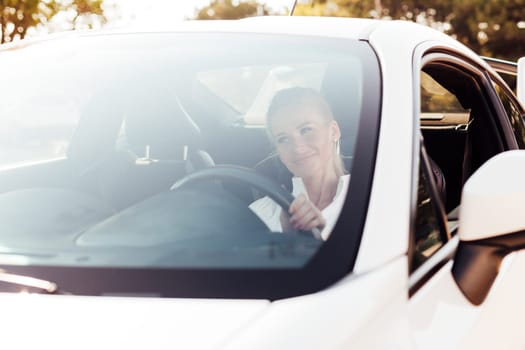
502	66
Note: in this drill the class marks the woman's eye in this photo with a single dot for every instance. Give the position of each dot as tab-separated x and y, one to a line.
306	129
282	139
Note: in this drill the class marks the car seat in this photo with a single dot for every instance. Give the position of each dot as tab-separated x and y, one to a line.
439	180
158	143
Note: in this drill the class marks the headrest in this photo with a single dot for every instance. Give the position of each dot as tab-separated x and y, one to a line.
439	178
159	122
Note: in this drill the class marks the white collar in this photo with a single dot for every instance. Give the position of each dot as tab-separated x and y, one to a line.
299	187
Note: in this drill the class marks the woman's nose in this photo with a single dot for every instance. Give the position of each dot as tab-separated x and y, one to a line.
298	145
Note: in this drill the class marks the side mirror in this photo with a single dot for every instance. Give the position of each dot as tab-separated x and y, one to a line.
491	223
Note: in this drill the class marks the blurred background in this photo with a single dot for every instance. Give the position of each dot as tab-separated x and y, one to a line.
494	28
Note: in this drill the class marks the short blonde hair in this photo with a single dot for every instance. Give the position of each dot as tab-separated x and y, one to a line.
304	97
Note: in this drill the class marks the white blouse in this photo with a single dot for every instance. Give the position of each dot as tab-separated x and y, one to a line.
270	212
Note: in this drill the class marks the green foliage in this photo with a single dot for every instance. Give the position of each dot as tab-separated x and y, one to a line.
489	27
231	9
17	16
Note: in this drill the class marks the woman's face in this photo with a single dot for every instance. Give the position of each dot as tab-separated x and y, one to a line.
305	140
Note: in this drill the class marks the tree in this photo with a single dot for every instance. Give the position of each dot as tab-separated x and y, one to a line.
18	16
490	27
231	9
493	28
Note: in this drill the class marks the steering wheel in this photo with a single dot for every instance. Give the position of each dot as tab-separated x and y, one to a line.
280	195
248	176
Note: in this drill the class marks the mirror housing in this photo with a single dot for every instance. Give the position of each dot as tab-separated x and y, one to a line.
491	223
493	198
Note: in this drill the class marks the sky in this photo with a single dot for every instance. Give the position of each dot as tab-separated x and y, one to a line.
143	11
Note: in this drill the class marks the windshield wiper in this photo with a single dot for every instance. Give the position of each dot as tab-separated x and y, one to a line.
46	287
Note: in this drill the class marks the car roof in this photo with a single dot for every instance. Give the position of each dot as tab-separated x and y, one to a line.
329	27
351	28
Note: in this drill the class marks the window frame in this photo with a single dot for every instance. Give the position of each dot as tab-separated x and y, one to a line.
425	54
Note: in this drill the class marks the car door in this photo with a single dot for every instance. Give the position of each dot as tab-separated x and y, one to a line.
463	124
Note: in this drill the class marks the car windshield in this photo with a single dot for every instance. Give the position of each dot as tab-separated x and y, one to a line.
143	152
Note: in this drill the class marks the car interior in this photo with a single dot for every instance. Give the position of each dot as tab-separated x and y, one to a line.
459	128
145	147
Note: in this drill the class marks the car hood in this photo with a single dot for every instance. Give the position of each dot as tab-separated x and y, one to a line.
35	321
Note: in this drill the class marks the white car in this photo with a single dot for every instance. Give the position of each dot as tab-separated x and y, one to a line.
129	158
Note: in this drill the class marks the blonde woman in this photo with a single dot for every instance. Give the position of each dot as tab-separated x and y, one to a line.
306	138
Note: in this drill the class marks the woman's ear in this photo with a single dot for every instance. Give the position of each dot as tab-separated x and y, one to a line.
335	131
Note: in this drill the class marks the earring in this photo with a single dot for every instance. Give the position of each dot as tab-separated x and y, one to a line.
337	147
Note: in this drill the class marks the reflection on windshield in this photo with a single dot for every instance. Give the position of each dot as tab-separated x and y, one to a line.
94	137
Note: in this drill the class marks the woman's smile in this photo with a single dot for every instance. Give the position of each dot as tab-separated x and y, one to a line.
303	158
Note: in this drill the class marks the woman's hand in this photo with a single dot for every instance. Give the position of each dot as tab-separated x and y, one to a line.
303	215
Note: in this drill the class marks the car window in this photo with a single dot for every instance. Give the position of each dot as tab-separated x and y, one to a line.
513	111
510	80
435	98
440	108
430	233
444	122
147	151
